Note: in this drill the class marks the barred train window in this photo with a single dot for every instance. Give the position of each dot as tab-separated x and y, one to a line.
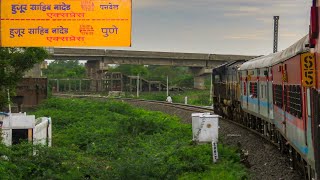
253	89
291	98
294	106
244	88
285	97
277	96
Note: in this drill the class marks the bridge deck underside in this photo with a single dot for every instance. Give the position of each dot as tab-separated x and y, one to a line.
146	61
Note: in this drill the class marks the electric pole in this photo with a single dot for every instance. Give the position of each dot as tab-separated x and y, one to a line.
138	85
275	36
167	86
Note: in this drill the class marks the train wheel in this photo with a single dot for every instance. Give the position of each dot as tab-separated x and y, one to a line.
311	173
260	125
302	166
249	121
235	115
256	124
242	117
291	157
229	113
266	131
281	143
273	136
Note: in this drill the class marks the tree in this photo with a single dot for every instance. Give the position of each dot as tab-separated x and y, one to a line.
178	76
65	69
14	62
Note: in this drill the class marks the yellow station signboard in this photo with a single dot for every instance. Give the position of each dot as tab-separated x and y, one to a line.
42	23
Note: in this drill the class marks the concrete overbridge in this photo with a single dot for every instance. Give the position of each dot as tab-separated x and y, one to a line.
98	60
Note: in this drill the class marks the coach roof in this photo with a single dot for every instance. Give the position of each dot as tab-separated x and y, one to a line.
276	58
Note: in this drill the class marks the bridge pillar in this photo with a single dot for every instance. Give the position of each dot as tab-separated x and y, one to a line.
94	69
199	82
200	75
96	72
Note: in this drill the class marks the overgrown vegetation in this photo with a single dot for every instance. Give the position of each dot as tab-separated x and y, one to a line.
113	140
65	69
178	76
195	97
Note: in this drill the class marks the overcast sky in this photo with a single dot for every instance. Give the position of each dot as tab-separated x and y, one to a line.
217	26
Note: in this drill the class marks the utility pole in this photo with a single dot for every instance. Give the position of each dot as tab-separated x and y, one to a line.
58	85
167	86
275	36
211	88
9	103
138	85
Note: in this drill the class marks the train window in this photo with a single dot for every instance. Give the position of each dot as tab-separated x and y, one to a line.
253	89
261	89
294	104
285	98
277	95
244	88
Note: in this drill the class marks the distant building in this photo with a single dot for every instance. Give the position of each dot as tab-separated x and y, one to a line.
31	90
36	71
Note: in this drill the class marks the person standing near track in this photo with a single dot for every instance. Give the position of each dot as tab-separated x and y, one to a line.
169	99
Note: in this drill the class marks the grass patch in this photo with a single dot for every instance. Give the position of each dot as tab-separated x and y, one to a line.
113	140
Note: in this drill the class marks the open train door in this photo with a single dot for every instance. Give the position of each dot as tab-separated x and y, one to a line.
316	131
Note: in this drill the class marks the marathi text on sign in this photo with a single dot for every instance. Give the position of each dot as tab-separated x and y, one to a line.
65	23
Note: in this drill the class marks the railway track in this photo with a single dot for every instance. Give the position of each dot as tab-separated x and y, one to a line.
177	105
264	160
